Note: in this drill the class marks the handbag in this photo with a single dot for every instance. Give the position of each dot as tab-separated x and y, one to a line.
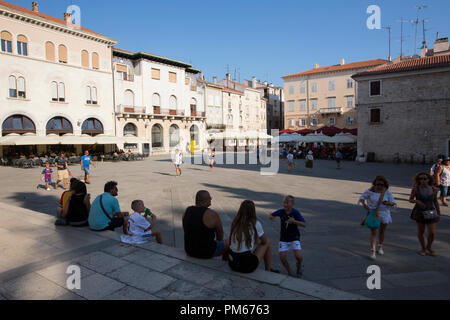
430	214
373	221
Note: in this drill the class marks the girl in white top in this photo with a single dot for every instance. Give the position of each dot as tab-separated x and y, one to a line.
248	243
369	200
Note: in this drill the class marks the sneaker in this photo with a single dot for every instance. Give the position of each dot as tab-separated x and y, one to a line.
380	251
48	189
373	256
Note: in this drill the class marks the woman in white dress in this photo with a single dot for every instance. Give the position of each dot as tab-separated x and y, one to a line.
370	200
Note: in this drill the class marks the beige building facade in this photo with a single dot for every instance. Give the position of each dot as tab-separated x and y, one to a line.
323	96
404	111
56	79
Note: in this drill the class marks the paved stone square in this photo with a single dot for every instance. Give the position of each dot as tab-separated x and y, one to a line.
335	247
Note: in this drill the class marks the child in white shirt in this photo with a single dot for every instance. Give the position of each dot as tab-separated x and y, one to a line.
139	229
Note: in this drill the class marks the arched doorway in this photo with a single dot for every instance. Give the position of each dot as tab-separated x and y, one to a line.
174	136
195	135
59	126
157	136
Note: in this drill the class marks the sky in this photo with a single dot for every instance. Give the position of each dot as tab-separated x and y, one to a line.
266	39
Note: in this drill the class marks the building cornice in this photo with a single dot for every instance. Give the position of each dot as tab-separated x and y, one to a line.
64	28
391	75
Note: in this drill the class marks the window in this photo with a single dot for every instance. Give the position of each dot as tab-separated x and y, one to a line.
291	123
130	130
375	88
156	74
193	107
302	122
6	41
172	77
95	61
302	105
12	87
350	102
314	122
174	136
302	87
331	121
349	83
156	100
291	89
331	85
58	92
291	106
173	103
49	51
91	95
157	136
21	87
22	46
375	116
331	103
62	53
85	59
187	81
18	124
314	104
350	120
129	98
314	87
59	126
92	127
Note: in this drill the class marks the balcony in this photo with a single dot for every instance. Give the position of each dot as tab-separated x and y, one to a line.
131	109
330	110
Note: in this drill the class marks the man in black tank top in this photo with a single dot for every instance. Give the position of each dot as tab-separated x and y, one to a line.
203	232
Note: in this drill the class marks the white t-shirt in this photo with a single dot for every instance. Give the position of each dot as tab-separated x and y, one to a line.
179	159
137	225
234	243
310	157
290	157
372	199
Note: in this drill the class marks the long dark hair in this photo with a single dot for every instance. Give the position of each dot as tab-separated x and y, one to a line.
244	220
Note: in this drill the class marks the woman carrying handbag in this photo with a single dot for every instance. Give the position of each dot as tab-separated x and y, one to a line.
378	201
426	211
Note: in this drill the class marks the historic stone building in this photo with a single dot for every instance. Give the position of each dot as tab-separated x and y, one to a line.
404	110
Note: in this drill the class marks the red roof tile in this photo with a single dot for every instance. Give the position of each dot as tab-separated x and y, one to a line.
347	66
411	65
41	15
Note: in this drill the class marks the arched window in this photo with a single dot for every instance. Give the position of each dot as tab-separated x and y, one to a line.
58	92
157	136
12	87
6	41
95	61
130	130
92	127
129	98
49	51
156	102
85	59
91	95
174	135
18	124
62	53
195	136
22	45
193	107
173	103
17	87
59	126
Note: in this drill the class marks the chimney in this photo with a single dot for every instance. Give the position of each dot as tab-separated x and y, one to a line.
214	79
254	82
265	83
342	62
35	6
441	45
316	66
228	76
67	17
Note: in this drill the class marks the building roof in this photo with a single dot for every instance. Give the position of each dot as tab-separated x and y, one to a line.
46	17
154	57
410	65
346	66
232	91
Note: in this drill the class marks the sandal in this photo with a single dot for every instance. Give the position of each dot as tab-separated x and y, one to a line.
432	253
422	253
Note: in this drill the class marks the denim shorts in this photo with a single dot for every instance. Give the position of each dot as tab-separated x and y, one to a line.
445	191
220	246
86	171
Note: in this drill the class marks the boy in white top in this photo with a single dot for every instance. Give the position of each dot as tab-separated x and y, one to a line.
139	229
178	161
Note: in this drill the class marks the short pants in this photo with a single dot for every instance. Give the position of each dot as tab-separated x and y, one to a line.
286	246
63	174
86	171
245	262
445	191
48	180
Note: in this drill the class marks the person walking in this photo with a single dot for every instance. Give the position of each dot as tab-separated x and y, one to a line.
426	211
248	243
443	180
339	158
86	162
378	201
211	158
290	160
309	160
178	161
63	170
